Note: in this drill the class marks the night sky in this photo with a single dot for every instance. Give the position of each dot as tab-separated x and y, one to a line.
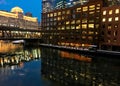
33	6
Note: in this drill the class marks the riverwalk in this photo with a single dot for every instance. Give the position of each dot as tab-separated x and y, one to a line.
85	51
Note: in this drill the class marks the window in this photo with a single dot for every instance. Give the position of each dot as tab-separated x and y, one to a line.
85	8
109	26
84	26
117	11
104	12
92	7
67	22
104	19
116	26
115	33
78	9
110	12
110	19
91	25
116	18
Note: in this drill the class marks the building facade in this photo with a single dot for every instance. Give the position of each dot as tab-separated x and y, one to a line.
93	23
76	26
110	28
16	18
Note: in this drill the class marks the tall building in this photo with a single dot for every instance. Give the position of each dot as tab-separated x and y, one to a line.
60	4
74	26
16	18
47	5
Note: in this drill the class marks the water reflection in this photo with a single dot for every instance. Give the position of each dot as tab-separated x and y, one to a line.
74	69
8	47
12	54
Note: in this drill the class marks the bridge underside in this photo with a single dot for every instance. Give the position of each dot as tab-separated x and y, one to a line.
9	33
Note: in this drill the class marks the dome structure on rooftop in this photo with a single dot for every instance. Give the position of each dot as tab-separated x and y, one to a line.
17	10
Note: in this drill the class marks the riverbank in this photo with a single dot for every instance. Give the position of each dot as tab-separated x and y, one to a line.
112	54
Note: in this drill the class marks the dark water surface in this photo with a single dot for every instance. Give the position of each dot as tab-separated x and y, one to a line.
48	67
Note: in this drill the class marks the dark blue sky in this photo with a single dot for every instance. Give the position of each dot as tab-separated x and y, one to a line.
33	6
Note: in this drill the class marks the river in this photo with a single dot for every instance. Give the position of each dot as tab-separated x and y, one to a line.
39	66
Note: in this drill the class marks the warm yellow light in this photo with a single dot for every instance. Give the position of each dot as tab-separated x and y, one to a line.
116	18
85	8
7	14
117	11
110	12
110	19
104	19
104	12
30	18
91	25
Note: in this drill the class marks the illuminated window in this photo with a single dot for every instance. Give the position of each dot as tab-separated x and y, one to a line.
78	27
78	21
67	22
59	18
91	25
104	19
92	7
117	11
116	18
51	15
85	8
84	21
68	12
91	32
110	19
109	26
59	13
73	22
92	12
84	26
104	12
110	12
55	14
72	27
78	9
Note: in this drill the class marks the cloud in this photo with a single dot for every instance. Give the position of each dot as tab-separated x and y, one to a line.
2	2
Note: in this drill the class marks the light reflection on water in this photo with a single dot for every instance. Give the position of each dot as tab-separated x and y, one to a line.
79	70
20	66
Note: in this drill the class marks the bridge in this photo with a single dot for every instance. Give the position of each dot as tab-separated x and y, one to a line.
16	33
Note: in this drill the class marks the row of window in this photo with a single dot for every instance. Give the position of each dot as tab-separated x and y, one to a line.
83	26
110	12
110	19
79	9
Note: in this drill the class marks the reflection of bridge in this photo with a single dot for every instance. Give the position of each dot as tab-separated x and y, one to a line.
11	33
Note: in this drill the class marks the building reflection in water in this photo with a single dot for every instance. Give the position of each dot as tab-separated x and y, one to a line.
14	55
74	69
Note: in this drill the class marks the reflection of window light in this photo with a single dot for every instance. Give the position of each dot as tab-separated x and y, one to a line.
104	12
110	12
110	19
117	11
103	20
116	18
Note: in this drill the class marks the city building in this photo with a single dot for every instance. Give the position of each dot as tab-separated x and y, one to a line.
76	26
82	25
16	18
110	28
47	5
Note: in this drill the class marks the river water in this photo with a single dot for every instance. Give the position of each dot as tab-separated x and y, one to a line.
39	66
